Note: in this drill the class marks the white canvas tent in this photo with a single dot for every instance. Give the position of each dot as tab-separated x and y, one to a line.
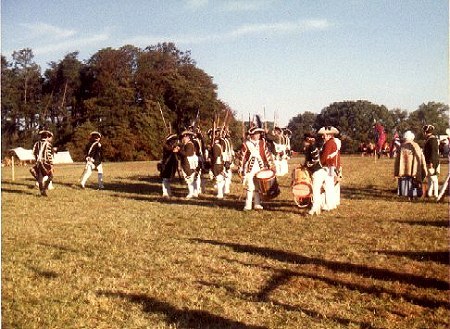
25	155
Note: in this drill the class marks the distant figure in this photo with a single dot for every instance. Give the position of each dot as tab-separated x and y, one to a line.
380	138
410	167
94	158
277	140
169	164
395	145
431	153
42	171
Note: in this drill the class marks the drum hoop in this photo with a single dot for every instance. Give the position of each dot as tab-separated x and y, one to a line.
265	178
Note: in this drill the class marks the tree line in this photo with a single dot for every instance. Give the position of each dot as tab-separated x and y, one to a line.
135	97
355	121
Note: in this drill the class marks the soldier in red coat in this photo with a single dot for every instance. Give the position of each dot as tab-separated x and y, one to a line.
330	160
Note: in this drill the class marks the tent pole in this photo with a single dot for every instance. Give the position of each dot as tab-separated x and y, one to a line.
12	168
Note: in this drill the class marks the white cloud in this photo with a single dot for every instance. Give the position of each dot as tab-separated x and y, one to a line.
71	44
281	28
241	31
194	4
47	30
247	5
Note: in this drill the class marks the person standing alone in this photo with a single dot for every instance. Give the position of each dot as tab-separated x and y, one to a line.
94	158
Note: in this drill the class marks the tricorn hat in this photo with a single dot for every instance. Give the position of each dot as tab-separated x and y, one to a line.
95	134
46	133
255	130
328	130
187	133
287	131
171	136
428	129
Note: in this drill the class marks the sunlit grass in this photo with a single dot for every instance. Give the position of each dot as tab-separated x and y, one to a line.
125	258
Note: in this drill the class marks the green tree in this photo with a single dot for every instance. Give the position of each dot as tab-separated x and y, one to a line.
432	113
299	125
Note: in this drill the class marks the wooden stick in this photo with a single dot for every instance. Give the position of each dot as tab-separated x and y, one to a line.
12	168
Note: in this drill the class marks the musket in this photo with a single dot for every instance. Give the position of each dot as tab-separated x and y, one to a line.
225	121
265	121
164	120
213	134
243	127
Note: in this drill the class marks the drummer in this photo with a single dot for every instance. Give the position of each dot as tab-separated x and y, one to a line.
255	157
318	173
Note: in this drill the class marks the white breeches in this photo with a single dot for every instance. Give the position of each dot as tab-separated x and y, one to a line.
318	179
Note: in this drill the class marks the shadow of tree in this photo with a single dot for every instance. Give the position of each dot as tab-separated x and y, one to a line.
442	257
371	193
43	273
437	223
361	270
350	284
10	190
181	318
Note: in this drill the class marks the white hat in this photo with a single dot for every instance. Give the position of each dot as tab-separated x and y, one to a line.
409	136
329	130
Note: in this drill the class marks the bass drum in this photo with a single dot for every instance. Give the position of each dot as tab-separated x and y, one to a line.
301	187
266	183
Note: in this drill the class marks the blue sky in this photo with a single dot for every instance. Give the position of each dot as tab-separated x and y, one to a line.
287	56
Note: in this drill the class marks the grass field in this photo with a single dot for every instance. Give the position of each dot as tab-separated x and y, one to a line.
125	258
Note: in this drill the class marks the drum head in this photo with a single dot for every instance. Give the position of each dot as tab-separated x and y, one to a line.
302	194
301	190
265	174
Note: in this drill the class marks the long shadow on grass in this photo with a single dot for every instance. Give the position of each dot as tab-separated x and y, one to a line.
362	270
182	318
43	273
437	223
371	193
442	257
12	191
283	275
280	278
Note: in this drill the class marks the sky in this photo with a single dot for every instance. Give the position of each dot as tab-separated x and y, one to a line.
278	57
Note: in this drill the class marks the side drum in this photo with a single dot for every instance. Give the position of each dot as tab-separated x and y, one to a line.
266	183
301	187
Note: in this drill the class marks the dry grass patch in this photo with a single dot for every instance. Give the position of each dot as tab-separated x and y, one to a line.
125	258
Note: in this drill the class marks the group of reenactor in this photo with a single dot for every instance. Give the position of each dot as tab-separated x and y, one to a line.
197	160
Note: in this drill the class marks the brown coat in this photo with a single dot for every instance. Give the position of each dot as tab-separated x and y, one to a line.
410	161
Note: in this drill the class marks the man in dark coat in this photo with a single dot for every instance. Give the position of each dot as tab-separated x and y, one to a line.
431	153
189	163
169	163
94	158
